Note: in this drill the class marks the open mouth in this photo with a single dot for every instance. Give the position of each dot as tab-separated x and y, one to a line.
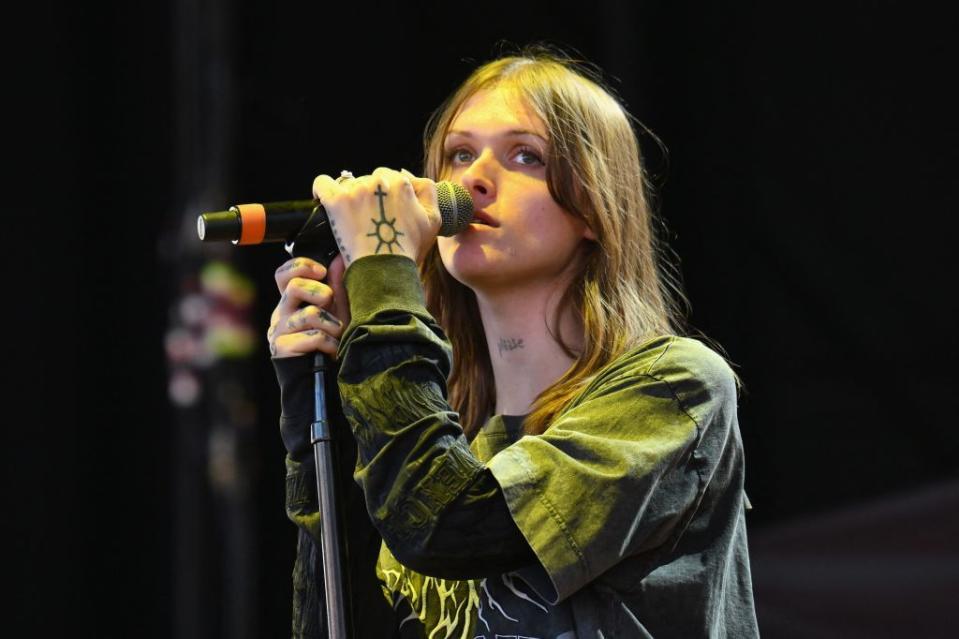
481	218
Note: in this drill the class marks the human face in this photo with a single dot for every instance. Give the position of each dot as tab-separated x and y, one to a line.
496	148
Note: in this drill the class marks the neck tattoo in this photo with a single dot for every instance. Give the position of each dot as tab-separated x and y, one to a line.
509	344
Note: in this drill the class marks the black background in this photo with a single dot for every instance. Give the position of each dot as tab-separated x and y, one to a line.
809	192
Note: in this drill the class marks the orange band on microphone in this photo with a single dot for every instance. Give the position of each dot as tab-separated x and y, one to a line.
252	223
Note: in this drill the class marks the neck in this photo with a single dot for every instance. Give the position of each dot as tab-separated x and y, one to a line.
526	359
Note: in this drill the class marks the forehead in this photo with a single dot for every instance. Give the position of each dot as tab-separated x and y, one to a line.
499	109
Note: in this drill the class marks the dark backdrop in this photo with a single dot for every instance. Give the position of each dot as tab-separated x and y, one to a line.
808	191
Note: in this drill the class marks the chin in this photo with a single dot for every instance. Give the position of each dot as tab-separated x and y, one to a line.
471	264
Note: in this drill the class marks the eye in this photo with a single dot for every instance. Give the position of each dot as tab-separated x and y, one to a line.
459	155
528	157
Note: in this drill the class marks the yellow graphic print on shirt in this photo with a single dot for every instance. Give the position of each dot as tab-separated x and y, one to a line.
469	609
445	606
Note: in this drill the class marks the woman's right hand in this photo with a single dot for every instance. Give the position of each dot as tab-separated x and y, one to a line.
311	315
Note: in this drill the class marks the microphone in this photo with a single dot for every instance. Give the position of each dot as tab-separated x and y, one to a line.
305	221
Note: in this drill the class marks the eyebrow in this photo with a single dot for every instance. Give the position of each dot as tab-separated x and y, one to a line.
511	132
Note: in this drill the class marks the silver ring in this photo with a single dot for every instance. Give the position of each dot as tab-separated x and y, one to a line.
344	175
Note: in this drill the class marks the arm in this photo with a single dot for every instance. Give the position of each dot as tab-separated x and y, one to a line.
622	472
631	447
478	514
302	323
619	473
295	376
440	511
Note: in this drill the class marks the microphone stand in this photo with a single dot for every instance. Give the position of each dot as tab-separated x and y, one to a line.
322	441
315	240
311	242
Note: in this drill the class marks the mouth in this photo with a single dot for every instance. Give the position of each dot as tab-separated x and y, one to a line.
483	218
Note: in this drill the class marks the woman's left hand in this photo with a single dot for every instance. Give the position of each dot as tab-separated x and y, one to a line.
386	212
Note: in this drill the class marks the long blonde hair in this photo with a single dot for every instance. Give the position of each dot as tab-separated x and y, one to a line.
622	293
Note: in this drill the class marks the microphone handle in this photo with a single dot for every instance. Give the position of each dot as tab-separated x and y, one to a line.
256	223
306	223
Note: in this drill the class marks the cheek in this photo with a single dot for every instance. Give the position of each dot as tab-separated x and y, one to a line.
547	225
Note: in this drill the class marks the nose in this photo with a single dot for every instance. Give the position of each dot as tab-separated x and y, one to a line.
480	179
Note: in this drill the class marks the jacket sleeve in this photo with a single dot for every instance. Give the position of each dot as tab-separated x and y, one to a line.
425	491
295	377
622	471
371	614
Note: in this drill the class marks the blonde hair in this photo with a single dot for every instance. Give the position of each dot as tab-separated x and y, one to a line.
621	294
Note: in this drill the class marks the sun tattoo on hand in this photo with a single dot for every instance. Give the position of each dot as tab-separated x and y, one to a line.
385	231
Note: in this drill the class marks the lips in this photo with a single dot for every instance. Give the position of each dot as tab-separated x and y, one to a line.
482	217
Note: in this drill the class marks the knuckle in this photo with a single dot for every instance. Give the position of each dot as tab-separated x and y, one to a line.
300	283
324	293
282	272
330	197
307	317
319	185
361	183
317	338
304	267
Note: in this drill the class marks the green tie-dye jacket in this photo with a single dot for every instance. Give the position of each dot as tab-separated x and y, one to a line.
632	501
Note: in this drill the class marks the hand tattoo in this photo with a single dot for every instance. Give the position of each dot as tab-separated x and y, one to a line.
326	336
339	242
384	229
329	318
288	266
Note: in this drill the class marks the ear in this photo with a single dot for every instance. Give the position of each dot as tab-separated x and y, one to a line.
588	233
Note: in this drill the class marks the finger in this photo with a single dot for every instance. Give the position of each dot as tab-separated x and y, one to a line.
300	290
385	174
270	333
360	185
425	191
310	317
304	342
341	301
326	188
398	180
295	293
298	267
392	181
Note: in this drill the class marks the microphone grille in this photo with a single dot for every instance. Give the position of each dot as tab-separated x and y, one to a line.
456	207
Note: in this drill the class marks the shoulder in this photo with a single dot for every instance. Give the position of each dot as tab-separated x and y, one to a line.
697	377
